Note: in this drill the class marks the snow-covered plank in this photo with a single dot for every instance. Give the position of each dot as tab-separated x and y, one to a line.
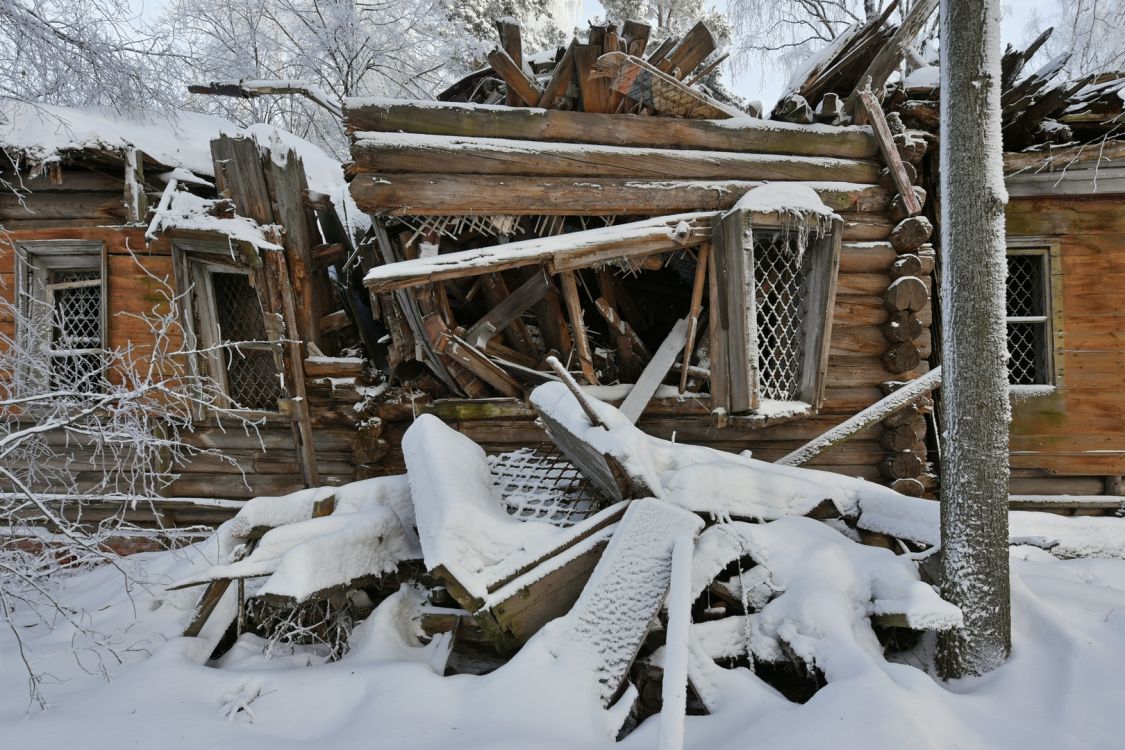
571	430
877	412
613	615
677	647
624	240
410	152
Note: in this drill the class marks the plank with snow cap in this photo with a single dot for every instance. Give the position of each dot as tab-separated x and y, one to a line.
745	133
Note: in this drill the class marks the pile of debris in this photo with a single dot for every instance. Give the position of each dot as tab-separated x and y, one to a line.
609	73
647	566
1041	108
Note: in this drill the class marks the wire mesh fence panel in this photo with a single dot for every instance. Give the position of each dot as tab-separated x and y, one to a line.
538	483
781	276
252	377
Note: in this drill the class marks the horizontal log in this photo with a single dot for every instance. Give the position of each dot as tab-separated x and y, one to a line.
562	252
737	134
412	153
453	195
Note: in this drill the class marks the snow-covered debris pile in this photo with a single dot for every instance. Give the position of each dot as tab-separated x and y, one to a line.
778	583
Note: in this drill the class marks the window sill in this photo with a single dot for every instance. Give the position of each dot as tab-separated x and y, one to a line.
1017	394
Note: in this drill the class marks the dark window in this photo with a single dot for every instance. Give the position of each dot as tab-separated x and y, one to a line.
1028	317
252	378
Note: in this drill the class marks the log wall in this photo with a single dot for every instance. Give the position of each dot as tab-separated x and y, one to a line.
88	205
455	159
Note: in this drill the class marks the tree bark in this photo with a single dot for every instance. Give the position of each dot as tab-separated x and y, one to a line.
975	409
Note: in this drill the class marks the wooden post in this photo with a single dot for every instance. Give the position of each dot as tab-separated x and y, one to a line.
693	315
887	146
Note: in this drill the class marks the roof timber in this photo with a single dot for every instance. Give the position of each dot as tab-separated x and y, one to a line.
735	134
394	152
453	195
559	253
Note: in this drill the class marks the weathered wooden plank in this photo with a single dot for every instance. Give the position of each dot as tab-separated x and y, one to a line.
410	153
578	326
655	371
520	86
744	134
509	309
561	78
433	194
890	151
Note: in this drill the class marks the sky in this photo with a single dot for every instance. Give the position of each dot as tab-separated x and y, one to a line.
752	85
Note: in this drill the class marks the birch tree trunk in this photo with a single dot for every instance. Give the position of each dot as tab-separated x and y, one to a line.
975	409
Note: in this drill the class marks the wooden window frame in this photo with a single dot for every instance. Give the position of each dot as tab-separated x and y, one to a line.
35	260
735	381
194	263
1049	250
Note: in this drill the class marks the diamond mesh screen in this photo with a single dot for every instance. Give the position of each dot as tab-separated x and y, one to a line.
1027	339
1026	351
541	484
1025	286
781	274
252	378
76	330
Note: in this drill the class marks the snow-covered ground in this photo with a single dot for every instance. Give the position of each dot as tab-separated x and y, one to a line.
1062	688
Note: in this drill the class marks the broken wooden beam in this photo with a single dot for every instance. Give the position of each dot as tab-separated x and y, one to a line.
625	240
693	314
509	309
877	412
890	153
645	387
578	326
519	84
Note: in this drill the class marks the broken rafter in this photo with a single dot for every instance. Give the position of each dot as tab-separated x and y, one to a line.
556	253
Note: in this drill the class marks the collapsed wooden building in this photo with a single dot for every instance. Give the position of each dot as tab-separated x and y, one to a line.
557	231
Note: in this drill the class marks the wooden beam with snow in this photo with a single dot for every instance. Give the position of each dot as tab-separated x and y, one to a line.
501	195
411	153
645	388
877	412
520	86
738	134
566	251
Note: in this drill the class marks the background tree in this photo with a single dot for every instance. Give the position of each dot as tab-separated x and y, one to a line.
1093	31
975	409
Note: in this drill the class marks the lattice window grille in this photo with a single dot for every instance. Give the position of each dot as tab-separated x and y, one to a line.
782	272
1028	319
252	378
538	483
75	349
